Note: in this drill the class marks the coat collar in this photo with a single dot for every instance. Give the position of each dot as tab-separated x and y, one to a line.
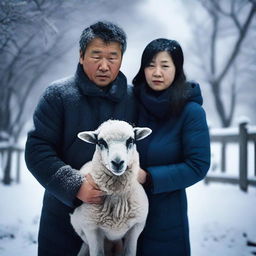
114	91
156	103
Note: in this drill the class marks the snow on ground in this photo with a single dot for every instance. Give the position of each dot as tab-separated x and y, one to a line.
20	206
222	218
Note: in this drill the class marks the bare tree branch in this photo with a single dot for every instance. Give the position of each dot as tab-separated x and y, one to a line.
230	19
237	46
41	71
213	45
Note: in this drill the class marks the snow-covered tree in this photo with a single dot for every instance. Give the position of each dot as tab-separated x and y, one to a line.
224	34
34	35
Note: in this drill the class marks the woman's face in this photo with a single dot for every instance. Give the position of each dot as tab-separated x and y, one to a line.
161	72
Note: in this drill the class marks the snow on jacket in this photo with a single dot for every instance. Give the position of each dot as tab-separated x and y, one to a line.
176	155
54	153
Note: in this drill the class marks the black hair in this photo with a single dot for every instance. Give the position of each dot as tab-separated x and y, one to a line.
107	31
178	86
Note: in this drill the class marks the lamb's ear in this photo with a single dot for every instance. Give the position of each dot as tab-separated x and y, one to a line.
141	132
90	136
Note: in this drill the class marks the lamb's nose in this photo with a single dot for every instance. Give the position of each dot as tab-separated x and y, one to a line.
117	164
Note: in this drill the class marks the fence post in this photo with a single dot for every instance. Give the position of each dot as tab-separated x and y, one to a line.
1	159
243	182
223	156
7	170
18	166
254	158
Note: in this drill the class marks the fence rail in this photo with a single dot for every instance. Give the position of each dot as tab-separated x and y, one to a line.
243	137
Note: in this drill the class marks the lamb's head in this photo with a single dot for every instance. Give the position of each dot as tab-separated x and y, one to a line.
115	142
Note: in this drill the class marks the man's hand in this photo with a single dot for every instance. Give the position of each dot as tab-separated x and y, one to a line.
89	192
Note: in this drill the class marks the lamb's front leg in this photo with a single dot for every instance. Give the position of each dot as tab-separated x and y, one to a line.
131	238
84	250
95	241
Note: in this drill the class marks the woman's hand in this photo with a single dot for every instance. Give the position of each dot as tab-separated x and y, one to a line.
89	192
142	176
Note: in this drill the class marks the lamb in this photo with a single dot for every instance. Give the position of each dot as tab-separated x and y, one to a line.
114	168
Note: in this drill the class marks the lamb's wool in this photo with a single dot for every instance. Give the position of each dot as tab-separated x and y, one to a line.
125	206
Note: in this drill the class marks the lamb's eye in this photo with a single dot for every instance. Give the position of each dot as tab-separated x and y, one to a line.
102	144
129	142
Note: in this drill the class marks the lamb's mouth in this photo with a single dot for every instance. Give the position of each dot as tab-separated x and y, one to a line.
118	172
111	171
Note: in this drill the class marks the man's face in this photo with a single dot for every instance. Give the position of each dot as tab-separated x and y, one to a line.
101	61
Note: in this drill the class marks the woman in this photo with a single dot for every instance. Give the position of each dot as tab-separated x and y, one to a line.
177	153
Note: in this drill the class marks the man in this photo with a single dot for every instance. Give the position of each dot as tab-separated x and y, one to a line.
98	91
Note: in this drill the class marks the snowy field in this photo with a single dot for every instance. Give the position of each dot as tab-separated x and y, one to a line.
222	218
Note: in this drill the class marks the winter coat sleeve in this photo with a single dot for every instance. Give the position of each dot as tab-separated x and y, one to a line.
43	150
196	155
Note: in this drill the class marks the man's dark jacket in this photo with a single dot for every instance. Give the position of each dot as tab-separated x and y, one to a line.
54	153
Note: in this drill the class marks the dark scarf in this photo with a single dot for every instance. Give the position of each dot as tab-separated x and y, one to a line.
114	91
156	103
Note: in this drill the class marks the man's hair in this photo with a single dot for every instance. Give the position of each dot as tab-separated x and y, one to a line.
106	31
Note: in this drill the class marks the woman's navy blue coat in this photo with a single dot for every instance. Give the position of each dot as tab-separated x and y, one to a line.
176	155
54	153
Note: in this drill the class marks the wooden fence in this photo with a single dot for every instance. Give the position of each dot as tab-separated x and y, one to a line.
8	155
242	138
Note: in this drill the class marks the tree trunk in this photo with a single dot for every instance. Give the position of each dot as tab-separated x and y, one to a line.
219	104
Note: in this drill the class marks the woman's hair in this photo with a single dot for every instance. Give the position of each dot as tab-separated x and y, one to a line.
178	86
107	31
